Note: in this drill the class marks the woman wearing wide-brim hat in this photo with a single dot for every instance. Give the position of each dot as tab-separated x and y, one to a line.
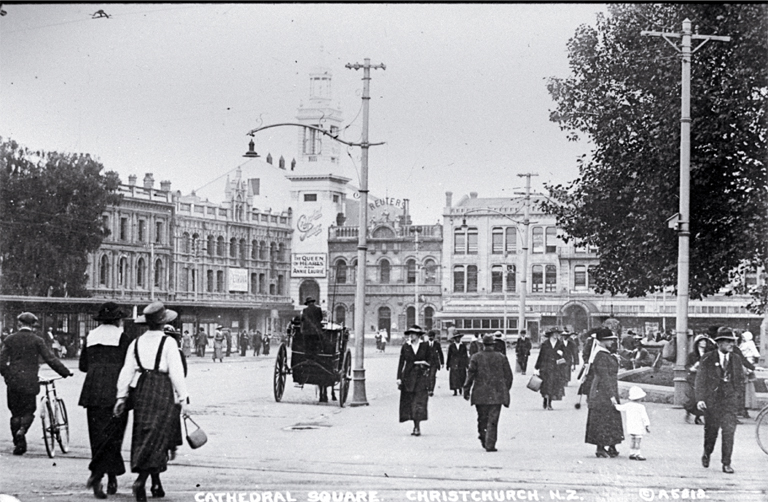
101	359
550	364
702	344
413	379
604	427
154	372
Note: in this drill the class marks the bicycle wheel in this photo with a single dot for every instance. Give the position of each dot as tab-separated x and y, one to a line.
62	426
47	417
761	430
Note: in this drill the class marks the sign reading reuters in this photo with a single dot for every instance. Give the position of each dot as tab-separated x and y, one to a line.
308	265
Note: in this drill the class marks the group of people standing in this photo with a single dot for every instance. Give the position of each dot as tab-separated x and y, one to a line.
145	375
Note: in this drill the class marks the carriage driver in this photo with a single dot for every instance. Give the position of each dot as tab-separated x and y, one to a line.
312	325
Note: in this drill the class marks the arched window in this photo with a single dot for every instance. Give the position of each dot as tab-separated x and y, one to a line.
195	243
410	266
352	273
511	278
242	254
429	314
340	315
280	285
430	271
219	281
211	245
550	278
221	247
272	251
497	279
385	319
233	248
262	283
537	279
104	271
471	278
159	232
254	250
254	283
272	289
185	243
158	273
262	250
384	269
410	316
458	279
209	281
281	252
122	272
140	273
341	272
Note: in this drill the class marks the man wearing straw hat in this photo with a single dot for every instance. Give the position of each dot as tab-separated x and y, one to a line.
718	384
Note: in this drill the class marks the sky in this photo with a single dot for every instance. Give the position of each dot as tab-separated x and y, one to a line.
172	89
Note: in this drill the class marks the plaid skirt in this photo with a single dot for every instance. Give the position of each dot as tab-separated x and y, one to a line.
153	416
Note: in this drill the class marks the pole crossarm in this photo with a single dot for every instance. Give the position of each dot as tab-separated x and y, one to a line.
252	132
490	210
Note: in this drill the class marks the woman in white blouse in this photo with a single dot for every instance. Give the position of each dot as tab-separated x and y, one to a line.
154	375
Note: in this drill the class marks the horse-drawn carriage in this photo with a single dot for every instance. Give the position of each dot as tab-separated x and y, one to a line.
315	359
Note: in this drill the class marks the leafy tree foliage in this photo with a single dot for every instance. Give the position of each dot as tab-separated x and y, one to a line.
624	96
50	219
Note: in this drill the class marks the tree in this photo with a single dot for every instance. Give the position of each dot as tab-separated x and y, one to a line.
51	207
624	95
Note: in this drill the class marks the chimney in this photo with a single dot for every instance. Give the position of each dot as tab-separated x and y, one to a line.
165	186
448	199
132	180
269	158
281	163
293	164
473	195
149	181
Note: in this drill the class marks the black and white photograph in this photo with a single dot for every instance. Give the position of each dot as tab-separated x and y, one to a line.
384	252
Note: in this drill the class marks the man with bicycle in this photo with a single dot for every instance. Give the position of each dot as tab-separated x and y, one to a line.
19	367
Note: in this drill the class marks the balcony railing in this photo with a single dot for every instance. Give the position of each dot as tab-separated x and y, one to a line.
425	232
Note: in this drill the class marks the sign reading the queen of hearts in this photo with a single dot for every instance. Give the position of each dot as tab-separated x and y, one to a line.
308	264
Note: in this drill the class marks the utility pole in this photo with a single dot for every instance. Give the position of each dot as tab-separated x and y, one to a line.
358	374
524	241
683	217
416	230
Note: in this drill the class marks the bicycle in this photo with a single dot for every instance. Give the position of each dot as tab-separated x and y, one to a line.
53	415
761	429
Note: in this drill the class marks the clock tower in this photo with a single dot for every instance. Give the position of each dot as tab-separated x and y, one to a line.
319	112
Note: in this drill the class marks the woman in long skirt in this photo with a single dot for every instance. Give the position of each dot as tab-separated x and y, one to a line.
413	379
604	427
154	363
218	345
101	358
701	345
550	364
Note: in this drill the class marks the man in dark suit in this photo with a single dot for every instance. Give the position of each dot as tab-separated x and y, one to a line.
489	379
523	351
438	360
19	366
718	385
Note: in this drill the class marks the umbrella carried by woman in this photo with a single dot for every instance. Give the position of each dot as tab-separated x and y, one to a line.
604	427
101	359
413	378
154	373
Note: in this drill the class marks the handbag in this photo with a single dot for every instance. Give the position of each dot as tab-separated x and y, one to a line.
534	383
197	438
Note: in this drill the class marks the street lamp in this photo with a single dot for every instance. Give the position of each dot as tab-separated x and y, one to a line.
358	376
416	231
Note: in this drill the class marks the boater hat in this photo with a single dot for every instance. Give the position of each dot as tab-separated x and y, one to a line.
109	311
156	313
498	334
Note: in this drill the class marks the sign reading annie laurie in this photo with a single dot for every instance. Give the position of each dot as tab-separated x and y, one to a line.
238	279
308	265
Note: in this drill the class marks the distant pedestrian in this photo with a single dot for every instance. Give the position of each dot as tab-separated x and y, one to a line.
201	342
604	428
186	344
550	364
218	345
476	345
718	384
228	337
489	379
637	423
256	343
242	342
499	344
437	359
413	379
457	363
265	341
523	351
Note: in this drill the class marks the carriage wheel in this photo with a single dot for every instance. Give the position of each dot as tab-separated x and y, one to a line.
346	378
281	369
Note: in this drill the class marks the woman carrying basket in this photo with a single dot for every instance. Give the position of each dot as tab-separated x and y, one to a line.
155	376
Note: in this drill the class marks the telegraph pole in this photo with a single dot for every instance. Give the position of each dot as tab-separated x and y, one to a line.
683	217
358	374
524	241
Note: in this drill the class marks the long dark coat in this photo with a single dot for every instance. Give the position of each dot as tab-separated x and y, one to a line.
489	377
551	373
414	378
457	364
604	426
19	361
709	378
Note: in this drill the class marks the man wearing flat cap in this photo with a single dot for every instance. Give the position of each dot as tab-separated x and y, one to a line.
489	379
19	367
718	384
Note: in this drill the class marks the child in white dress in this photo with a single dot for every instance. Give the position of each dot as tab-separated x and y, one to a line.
637	422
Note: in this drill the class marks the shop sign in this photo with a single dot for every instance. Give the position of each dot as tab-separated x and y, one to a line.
308	265
238	279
